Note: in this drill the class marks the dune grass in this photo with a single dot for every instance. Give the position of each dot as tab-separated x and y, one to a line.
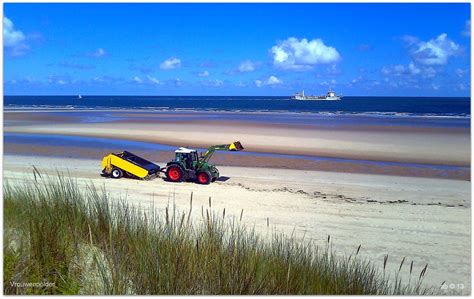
83	242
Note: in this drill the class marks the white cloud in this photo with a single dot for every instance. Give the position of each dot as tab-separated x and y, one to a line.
11	37
395	70
215	83
14	40
170	63
414	70
153	80
435	51
59	80
411	70
435	86
98	53
467	29
204	74
247	66
106	80
410	40
332	82
428	72
356	80
295	54
178	82
149	80
272	80
332	70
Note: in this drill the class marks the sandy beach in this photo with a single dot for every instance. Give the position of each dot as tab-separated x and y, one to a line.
426	220
396	190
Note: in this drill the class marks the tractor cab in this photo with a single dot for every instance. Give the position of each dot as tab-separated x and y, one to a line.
186	157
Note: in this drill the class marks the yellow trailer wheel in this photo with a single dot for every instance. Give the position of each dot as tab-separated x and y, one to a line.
116	173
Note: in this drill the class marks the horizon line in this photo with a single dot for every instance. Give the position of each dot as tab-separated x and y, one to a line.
135	95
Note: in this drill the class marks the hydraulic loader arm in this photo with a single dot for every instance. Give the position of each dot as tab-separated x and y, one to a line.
234	146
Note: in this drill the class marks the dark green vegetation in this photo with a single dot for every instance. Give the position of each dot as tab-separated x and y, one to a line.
82	242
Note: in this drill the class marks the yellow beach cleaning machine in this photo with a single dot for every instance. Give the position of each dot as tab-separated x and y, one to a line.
187	165
126	163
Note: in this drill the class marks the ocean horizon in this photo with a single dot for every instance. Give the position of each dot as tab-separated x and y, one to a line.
456	107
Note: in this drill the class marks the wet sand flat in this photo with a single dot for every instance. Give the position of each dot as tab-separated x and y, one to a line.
445	146
249	160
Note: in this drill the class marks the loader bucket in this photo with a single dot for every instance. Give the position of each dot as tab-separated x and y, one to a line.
236	146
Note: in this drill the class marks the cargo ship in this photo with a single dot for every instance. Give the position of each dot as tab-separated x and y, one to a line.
330	96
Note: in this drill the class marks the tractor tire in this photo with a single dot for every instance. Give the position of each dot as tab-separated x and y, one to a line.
203	177
175	174
116	173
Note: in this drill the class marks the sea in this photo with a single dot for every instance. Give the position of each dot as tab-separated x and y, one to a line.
446	107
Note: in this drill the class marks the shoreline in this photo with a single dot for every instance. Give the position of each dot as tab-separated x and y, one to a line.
369	114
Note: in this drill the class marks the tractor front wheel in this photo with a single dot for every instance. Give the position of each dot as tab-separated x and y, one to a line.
204	177
174	174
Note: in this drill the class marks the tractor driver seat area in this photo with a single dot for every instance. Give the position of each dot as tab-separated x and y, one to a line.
186	159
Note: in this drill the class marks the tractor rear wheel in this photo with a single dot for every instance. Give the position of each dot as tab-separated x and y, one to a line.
204	177
174	174
116	173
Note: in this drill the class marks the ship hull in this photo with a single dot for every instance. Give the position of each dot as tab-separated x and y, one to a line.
316	99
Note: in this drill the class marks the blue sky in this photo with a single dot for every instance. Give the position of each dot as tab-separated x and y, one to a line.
237	49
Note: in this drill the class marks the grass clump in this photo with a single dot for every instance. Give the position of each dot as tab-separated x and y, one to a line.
66	240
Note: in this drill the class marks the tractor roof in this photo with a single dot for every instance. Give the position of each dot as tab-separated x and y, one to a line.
185	150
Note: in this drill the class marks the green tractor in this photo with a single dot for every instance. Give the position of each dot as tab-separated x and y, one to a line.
188	165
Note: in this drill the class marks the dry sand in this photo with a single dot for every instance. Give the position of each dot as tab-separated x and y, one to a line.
426	220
